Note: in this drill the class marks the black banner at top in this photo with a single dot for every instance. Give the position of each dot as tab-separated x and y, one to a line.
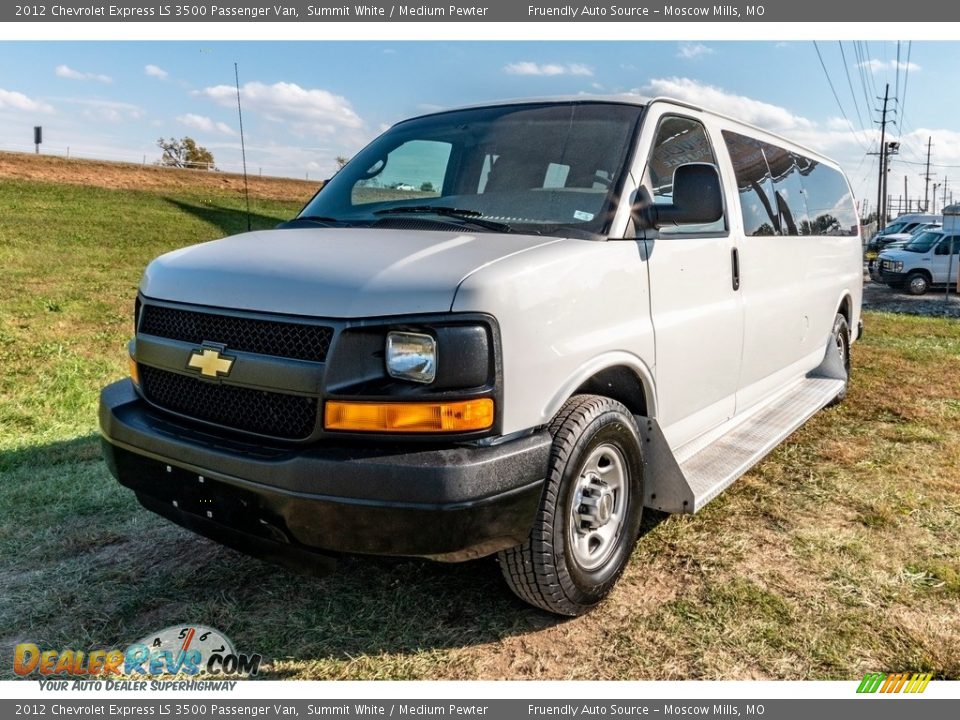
329	11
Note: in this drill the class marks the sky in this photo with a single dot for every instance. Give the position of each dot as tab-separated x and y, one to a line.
305	103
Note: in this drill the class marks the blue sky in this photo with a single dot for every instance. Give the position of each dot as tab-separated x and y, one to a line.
307	102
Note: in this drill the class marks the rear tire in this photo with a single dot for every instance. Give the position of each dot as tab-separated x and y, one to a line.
917	283
590	511
840	336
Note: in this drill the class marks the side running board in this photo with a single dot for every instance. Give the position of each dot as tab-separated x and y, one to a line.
687	486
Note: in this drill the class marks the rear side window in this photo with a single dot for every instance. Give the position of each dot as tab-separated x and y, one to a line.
787	190
754	185
829	202
785	193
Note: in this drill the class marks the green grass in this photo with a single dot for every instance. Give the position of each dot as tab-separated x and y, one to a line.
835	556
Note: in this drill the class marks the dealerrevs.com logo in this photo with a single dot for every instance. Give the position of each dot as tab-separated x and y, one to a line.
894	683
189	650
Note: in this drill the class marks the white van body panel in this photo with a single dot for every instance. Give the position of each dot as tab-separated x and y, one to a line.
599	288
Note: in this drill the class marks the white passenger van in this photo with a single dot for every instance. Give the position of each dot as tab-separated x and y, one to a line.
931	258
585	307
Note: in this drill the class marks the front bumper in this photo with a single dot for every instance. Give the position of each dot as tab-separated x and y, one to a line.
446	503
892	278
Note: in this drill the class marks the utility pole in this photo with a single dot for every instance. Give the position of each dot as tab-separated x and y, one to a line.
927	179
945	181
935	186
906	196
881	180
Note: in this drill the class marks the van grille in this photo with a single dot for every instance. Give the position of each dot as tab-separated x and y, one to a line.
300	341
291	417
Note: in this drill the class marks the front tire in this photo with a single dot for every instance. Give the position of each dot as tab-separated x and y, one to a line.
917	283
590	512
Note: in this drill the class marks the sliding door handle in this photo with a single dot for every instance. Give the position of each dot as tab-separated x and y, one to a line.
735	268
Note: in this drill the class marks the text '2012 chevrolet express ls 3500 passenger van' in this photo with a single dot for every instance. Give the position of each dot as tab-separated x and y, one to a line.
582	308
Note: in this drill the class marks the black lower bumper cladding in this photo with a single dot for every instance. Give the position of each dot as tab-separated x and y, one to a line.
293	505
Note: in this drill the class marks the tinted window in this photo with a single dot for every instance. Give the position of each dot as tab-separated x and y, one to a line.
830	205
754	185
787	190
679	141
944	247
788	194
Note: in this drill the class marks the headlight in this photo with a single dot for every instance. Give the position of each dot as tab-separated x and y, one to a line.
411	356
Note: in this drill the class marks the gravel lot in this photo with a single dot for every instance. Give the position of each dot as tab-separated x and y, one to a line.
886	299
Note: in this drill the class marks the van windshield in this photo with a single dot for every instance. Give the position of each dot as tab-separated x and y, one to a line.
551	169
923	242
893	229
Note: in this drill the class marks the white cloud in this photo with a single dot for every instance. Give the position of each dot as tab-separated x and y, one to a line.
531	68
71	74
156	72
308	110
205	124
876	66
12	100
756	112
691	51
107	111
838	123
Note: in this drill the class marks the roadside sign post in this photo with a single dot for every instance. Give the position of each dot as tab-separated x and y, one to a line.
951	225
37	137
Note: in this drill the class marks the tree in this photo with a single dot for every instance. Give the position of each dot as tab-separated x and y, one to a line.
185	153
341	160
426	186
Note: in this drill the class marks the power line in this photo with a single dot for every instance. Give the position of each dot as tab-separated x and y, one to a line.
896	83
915	162
869	67
837	97
863	76
906	79
846	69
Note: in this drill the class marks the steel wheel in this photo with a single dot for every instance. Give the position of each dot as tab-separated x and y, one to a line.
917	284
590	510
598	507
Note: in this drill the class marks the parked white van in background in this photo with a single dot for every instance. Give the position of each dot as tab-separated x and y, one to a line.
931	258
586	307
902	225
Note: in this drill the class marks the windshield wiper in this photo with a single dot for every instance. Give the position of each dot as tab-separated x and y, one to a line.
473	217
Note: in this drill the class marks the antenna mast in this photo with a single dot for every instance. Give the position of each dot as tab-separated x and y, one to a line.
243	148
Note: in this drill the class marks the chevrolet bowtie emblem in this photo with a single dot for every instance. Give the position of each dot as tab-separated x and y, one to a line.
210	363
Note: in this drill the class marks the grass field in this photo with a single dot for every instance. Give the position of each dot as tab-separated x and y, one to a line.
836	556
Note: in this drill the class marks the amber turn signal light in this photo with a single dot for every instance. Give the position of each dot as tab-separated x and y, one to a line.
134	371
409	417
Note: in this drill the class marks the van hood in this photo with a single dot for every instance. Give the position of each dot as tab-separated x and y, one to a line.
330	272
897	254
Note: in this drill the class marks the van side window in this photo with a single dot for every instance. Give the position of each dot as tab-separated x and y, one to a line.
679	141
785	193
829	202
944	247
754	184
